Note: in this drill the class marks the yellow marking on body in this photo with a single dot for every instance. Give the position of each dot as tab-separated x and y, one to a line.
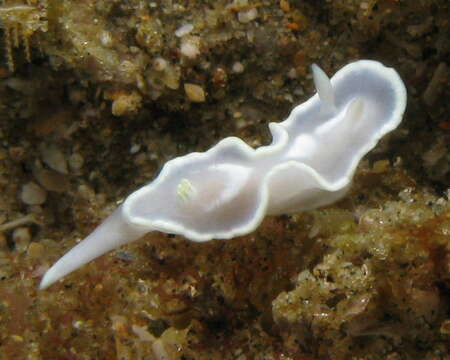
185	190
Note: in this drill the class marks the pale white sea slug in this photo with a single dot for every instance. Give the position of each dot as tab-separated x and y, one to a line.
227	190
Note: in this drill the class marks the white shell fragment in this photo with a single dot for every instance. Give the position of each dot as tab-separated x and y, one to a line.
227	191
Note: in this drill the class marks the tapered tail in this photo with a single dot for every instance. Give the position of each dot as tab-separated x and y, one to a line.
110	234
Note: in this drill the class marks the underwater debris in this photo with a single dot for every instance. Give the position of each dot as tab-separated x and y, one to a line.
19	22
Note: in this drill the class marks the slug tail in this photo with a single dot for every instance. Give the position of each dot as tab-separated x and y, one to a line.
109	235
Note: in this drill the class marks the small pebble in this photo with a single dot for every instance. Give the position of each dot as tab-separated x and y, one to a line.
445	327
21	237
248	15
195	93
184	30
285	6
76	161
190	48
381	166
219	77
238	67
240	3
106	38
364	5
127	103
17	338
86	193
140	159
33	194
159	351
171	77
35	251
292	73
51	180
159	64
135	148
54	158
17	153
78	324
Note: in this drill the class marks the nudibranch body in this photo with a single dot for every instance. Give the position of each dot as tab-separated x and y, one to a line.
227	190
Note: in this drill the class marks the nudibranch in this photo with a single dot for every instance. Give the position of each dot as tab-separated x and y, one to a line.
227	190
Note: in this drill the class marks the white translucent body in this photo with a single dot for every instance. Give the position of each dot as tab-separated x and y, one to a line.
227	191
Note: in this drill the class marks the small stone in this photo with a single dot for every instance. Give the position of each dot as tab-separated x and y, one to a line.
54	158
86	193
17	153
190	47
445	327
195	93
119	323
21	237
140	159
292	73
78	324
219	77
285	6
35	251
124	103
106	38
33	194
171	77
159	64
17	338
159	351
238	67
248	15
240	3
184	30
381	166
51	180
135	148
76	161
